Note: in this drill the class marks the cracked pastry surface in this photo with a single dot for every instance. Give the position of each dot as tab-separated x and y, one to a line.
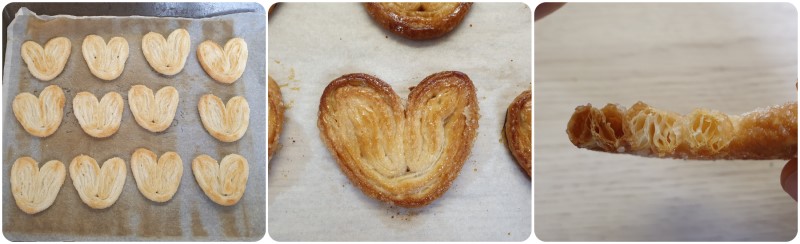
40	116
98	187
275	116
48	62
105	60
418	21
765	133
153	112
34	188
99	119
517	130
223	182
156	177
167	56
224	65
226	122
404	154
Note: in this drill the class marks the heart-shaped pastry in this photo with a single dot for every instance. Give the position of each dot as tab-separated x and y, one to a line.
106	61
48	62
227	123
418	21
166	56
408	155
98	119
98	187
224	65
157	178
518	130
153	112
223	183
40	116
34	188
275	116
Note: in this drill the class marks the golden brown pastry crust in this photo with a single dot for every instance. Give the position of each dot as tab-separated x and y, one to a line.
167	56
227	123
223	65
407	155
48	62
40	116
517	130
153	112
418	21
223	183
98	119
275	116
105	60
98	187
767	133
35	189
156	177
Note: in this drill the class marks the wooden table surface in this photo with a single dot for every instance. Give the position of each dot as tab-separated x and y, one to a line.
732	57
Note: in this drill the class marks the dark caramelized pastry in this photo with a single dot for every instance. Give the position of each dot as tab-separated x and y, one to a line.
418	21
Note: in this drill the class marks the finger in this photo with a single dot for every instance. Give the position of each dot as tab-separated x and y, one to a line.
545	9
789	178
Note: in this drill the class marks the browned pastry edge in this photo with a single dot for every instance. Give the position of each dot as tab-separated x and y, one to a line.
404	26
276	109
519	147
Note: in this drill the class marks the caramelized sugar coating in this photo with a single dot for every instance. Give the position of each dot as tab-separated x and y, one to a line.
418	21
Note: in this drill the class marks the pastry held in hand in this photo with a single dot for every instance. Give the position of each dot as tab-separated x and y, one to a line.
418	21
153	112
40	116
275	116
223	183
106	61
227	123
518	130
766	133
98	187
406	154
98	119
48	62
34	188
225	65
166	56
157	178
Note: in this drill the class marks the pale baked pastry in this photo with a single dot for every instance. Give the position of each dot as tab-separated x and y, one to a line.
34	188
98	187
40	116
106	61
275	116
98	119
157	178
223	65
517	130
227	123
48	62
404	154
153	112
223	183
766	133
166	56
418	21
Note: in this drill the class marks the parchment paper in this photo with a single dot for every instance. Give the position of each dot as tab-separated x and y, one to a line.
310	199
190	215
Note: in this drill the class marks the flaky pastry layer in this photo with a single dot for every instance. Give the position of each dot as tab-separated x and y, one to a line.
517	130
156	177
153	112
35	189
226	122
105	60
99	119
223	183
40	116
225	65
275	116
167	56
418	21
48	62
98	187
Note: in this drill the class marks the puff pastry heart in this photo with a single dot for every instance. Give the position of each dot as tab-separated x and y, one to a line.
224	65
227	123
275	116
98	119
223	183
157	178
166	56
106	61
48	62
407	155
40	116
517	130
153	112
418	21
34	188
98	187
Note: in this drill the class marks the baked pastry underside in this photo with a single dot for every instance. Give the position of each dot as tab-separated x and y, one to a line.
517	130
275	116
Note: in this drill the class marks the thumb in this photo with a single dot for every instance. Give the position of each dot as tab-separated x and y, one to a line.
789	178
